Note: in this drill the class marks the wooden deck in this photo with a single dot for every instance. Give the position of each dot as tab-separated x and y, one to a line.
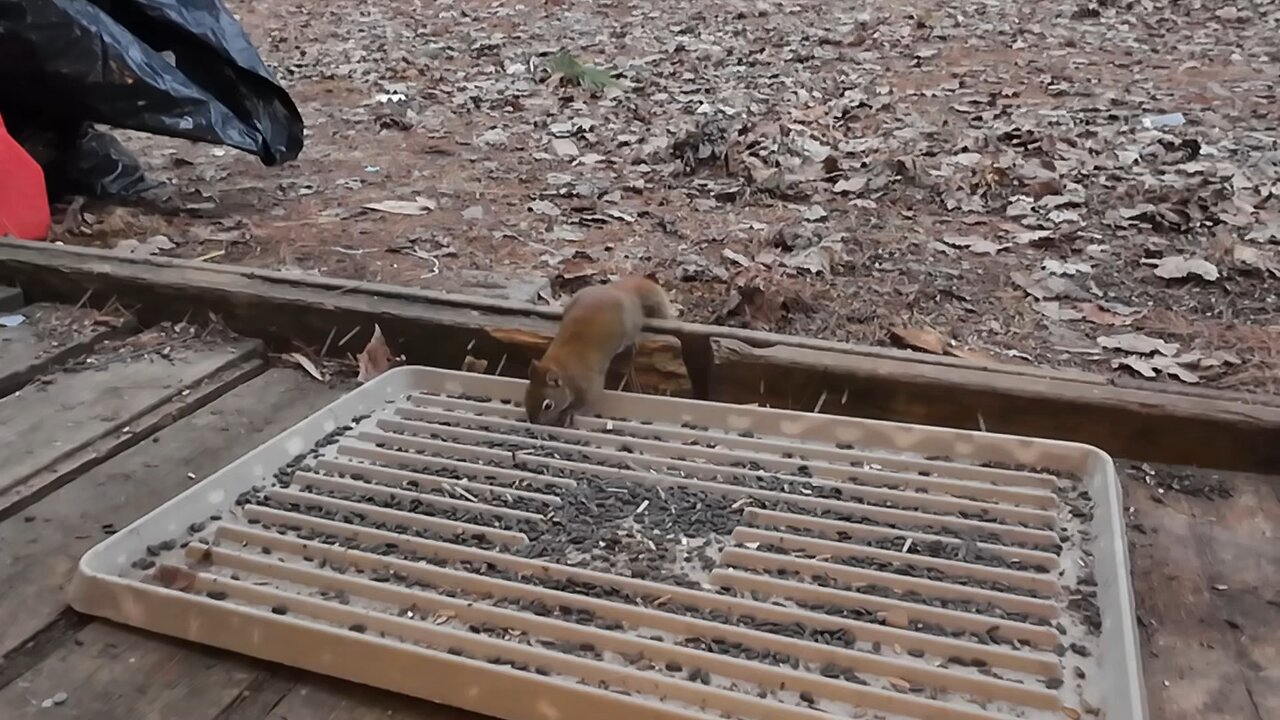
130	418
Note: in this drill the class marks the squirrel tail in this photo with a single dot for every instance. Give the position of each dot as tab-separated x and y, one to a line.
653	299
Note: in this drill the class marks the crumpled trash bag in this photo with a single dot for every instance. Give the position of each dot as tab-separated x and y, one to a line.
182	68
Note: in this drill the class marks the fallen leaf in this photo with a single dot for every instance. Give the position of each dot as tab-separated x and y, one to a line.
1137	364
150	246
492	138
737	257
174	577
814	213
307	365
850	185
1097	314
817	259
1043	286
1257	259
542	207
1055	310
898	683
475	212
1179	266
564	147
420	206
922	339
1148	367
974	244
1057	267
474	365
1138	343
376	358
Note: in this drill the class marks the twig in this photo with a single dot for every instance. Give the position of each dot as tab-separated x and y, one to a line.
83	300
325	350
348	336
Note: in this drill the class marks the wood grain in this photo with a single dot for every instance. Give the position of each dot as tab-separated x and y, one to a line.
1173	425
1135	424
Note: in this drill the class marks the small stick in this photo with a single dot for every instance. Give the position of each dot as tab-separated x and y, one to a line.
344	340
83	300
821	399
501	362
325	350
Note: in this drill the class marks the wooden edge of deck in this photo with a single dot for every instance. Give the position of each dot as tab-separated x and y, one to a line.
724	364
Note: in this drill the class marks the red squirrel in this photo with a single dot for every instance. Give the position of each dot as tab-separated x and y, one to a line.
598	323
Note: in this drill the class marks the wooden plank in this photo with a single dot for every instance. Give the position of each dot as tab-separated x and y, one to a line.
52	335
43	545
316	698
441	330
288	313
1240	548
431	327
77	418
110	672
52	269
1194	665
1126	423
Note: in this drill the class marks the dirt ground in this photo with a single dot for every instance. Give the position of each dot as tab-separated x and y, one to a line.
1009	175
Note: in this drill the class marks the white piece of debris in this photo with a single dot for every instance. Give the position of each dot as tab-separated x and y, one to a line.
418	206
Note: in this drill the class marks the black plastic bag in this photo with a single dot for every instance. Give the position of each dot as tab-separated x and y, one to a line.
182	68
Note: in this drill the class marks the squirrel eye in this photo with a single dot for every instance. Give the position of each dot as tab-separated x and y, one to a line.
548	404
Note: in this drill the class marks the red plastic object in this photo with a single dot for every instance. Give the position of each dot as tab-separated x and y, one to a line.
24	203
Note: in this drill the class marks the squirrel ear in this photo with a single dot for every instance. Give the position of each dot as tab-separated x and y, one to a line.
553	378
535	369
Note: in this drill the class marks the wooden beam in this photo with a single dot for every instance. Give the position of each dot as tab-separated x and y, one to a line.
1135	424
727	364
290	312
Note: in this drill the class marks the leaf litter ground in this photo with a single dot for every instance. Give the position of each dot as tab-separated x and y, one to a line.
1012	181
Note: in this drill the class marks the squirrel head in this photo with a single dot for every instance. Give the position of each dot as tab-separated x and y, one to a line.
547	398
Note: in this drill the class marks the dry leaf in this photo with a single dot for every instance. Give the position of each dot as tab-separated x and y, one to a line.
420	206
1257	259
174	577
1095	313
922	339
376	358
307	365
1057	311
542	207
474	365
974	244
817	259
1043	286
1179	266
814	213
898	683
1057	267
564	147
1138	343
1137	364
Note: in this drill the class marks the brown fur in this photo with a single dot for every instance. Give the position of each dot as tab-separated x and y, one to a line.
599	322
